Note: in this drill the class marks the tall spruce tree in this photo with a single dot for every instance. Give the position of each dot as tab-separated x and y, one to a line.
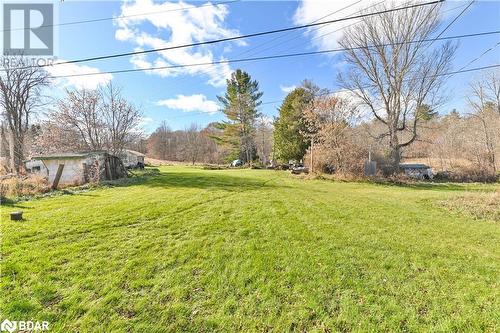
290	141
240	103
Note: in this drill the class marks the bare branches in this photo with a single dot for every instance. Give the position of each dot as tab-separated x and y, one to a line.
20	97
484	99
103	118
79	111
393	81
120	117
485	93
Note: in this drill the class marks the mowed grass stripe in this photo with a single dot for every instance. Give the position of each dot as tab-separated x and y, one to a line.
251	250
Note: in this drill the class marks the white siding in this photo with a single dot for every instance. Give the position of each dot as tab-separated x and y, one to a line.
72	173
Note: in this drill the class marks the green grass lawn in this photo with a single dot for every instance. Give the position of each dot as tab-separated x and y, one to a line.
252	251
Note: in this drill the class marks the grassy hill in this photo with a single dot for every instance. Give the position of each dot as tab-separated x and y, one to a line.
251	250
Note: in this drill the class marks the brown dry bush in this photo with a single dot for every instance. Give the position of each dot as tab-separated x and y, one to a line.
23	186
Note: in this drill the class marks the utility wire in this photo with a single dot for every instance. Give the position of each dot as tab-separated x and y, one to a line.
330	92
240	36
331	32
480	56
461	70
213	70
456	18
281	36
317	28
126	16
276	56
436	75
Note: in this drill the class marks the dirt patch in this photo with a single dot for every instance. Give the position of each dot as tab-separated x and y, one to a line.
478	205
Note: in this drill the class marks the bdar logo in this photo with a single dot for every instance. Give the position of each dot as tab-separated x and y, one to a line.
7	325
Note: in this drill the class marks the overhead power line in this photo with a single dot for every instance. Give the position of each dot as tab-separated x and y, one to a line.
320	27
331	32
252	51
242	36
480	56
294	37
456	18
116	18
278	56
330	92
437	75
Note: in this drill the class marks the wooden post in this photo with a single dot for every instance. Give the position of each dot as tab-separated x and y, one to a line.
12	152
58	176
312	159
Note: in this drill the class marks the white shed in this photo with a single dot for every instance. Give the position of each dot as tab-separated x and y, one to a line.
80	168
132	158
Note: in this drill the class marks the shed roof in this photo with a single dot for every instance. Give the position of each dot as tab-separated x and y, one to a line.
134	152
71	155
414	166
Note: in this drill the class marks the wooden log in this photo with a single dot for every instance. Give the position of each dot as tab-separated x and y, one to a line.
58	176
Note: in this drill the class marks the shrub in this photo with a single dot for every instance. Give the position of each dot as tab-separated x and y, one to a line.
23	186
468	175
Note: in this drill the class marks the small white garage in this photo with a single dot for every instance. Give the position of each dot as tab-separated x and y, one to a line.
78	168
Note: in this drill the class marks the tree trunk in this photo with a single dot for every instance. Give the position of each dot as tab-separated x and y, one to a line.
11	152
395	152
17	152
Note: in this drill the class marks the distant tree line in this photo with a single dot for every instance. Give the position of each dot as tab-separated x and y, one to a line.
245	134
386	108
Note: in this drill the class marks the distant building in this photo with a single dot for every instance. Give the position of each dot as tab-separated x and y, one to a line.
35	166
132	158
78	168
416	170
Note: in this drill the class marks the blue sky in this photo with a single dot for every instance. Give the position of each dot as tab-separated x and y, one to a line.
184	96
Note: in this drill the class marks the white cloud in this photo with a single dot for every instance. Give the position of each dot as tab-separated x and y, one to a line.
287	89
144	121
79	82
327	36
175	28
191	103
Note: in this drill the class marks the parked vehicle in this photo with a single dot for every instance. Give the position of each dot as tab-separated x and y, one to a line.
417	171
299	168
236	163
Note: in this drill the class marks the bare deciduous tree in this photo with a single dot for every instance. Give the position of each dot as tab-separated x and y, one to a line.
484	99
393	72
52	137
192	146
103	118
264	139
79	111
328	120
20	96
492	82
120	117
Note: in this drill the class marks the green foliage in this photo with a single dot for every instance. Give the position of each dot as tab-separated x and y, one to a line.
426	113
454	114
193	250
289	128
240	103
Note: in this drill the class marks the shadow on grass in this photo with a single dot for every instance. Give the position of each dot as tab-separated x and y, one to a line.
9	203
441	186
208	181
